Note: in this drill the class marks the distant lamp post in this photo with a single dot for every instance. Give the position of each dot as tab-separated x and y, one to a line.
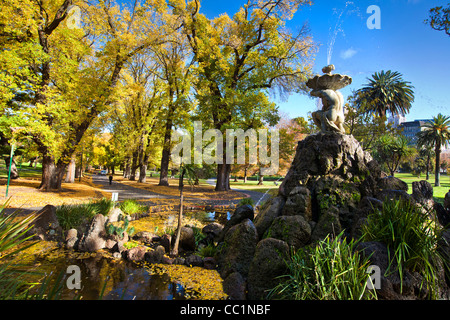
13	129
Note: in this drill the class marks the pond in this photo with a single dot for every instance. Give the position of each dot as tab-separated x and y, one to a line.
120	279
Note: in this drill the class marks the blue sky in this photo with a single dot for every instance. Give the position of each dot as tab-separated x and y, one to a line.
404	44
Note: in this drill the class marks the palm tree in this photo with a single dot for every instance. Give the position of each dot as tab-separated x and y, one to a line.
436	133
390	150
427	152
386	91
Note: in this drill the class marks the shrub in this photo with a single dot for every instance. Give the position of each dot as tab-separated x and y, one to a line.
331	270
208	251
103	206
131	206
245	201
73	216
122	226
410	236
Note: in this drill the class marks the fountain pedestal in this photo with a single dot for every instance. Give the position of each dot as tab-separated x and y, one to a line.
326	87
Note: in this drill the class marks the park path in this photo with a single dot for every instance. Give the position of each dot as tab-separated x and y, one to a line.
145	196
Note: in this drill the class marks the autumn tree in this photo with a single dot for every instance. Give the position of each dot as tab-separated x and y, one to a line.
67	77
239	60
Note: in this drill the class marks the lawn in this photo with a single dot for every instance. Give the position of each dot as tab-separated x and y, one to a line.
438	192
252	185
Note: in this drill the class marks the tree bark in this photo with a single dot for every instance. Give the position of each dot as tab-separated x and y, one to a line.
165	159
133	167
48	173
223	177
14	171
70	176
437	178
261	180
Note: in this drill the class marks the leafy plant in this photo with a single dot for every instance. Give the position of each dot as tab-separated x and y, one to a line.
246	201
331	270
208	251
103	205
410	236
120	229
131	206
72	216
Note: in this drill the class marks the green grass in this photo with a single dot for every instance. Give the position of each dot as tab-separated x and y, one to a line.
410	236
438	192
72	216
24	171
332	270
131	206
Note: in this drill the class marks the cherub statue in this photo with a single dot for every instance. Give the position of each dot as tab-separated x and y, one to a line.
331	118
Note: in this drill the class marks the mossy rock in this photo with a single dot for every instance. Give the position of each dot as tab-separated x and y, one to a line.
294	230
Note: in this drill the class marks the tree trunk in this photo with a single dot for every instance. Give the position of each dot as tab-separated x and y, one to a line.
14	171
223	177
48	173
126	170
143	172
437	178
165	159
260	180
245	175
134	166
143	160
70	176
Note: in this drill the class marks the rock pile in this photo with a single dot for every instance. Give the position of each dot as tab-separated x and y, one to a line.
331	187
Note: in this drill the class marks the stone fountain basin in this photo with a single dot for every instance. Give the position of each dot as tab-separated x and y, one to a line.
329	81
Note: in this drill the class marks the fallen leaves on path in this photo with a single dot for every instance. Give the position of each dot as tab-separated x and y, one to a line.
24	193
203	191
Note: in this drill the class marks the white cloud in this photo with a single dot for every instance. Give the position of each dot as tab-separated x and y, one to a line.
349	53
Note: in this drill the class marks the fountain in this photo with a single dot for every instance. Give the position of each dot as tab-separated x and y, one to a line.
326	87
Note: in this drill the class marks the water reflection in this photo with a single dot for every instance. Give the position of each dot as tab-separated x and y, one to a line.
123	281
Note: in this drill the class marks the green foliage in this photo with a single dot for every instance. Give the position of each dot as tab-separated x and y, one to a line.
390	150
208	251
386	91
435	134
440	19
131	206
410	236
73	216
120	228
103	205
331	270
13	240
198	235
246	201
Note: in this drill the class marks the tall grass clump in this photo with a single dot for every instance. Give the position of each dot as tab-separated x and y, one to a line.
332	270
103	205
411	238
13	240
131	206
70	216
73	216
